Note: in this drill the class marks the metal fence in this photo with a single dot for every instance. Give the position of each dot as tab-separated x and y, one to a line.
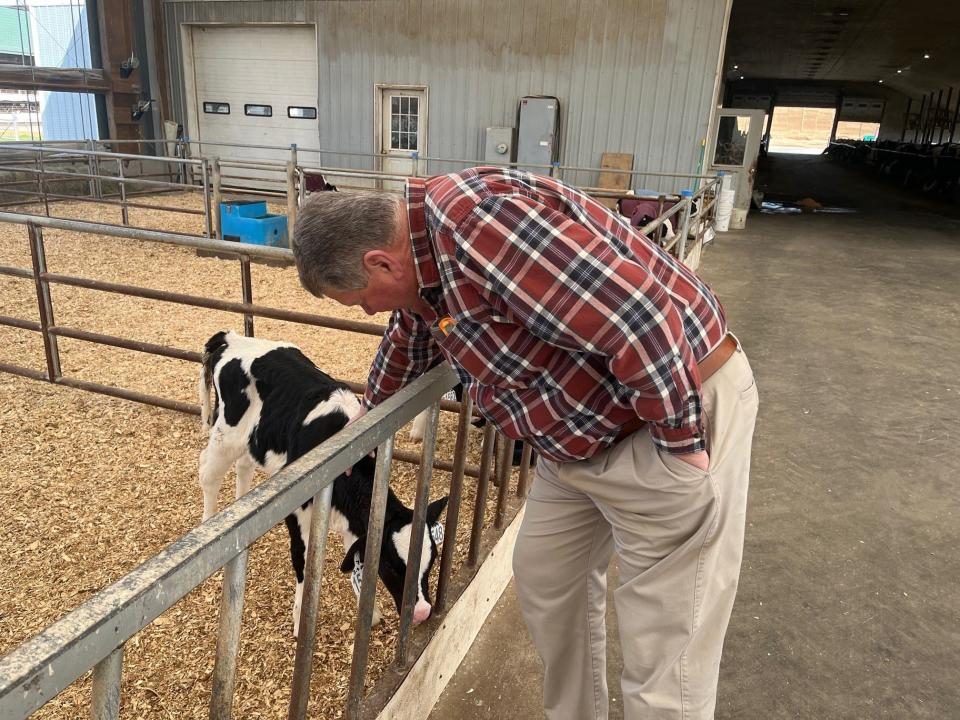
19	670
93	634
107	181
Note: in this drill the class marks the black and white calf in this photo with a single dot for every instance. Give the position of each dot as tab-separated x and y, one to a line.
271	406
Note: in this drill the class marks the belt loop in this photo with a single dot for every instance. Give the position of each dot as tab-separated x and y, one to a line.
739	346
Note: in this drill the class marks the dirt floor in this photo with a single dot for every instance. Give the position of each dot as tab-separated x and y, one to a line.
90	486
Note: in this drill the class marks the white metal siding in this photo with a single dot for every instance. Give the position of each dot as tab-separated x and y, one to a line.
634	76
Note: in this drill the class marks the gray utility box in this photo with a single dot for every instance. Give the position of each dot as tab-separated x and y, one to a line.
538	137
499	146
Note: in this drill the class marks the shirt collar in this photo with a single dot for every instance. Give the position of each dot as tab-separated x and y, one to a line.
428	276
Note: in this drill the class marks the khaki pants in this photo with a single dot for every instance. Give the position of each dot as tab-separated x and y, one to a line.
678	535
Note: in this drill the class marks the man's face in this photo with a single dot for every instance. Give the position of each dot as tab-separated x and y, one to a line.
384	293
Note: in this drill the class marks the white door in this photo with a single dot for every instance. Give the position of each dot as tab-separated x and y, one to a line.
403	132
253	85
736	147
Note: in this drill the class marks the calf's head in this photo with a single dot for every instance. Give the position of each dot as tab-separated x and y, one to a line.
393	556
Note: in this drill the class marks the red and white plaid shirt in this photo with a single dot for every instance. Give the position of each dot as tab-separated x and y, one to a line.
567	322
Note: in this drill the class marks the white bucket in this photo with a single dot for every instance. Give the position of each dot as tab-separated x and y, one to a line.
724	210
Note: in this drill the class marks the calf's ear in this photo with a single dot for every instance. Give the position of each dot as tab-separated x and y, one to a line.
354	551
434	510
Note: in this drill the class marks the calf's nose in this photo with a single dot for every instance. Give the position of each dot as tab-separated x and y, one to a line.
421	612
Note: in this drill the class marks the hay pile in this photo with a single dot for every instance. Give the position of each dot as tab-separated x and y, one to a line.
91	486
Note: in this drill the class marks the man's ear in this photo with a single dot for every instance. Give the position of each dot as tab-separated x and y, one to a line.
356	550
379	260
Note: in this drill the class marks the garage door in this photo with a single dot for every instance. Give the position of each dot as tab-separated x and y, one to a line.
254	85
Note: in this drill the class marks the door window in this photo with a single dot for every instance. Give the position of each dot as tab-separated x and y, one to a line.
731	140
404	121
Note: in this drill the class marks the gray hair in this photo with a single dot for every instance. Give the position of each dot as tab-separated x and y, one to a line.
333	232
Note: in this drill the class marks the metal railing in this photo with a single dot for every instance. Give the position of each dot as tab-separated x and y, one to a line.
26	678
274	178
50	330
200	553
94	634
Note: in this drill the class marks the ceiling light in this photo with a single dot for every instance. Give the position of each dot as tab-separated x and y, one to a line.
736	67
741	77
899	71
880	81
926	56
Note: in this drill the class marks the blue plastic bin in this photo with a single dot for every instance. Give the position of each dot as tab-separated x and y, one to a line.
248	221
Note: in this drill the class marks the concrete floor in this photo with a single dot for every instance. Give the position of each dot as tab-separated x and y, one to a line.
849	603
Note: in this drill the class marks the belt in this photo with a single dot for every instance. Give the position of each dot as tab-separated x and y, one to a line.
712	362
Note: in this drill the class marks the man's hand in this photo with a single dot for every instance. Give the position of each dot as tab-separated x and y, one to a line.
699	460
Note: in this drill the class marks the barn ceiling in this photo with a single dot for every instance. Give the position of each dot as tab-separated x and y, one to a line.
851	41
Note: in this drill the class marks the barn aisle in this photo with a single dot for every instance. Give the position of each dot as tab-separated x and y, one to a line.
850	575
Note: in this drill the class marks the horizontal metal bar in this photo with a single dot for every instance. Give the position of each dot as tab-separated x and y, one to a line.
111	155
23	371
414	459
19	323
45	665
16	272
254	251
113	341
125	394
213	304
61	175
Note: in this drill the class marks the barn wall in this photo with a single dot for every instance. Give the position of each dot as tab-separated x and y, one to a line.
632	76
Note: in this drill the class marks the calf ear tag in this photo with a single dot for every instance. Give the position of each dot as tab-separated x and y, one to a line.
357	575
436	532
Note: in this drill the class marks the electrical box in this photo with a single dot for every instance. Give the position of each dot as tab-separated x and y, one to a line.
538	134
499	145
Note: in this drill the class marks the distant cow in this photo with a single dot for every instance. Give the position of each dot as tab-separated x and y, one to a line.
271	406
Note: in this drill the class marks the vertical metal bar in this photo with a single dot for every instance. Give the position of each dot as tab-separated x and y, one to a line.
316	550
228	638
686	197
661	200
99	182
292	196
946	109
916	130
123	193
205	179
453	502
217	199
246	291
42	179
934	117
92	184
480	502
503	485
44	302
411	580
524	481
105	701
368	583
906	119
956	116
301	187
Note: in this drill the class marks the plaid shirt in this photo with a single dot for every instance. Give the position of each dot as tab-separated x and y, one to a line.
568	323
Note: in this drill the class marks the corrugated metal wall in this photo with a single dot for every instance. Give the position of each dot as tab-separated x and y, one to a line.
634	76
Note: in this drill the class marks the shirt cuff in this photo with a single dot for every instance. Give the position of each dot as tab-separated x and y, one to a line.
678	441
